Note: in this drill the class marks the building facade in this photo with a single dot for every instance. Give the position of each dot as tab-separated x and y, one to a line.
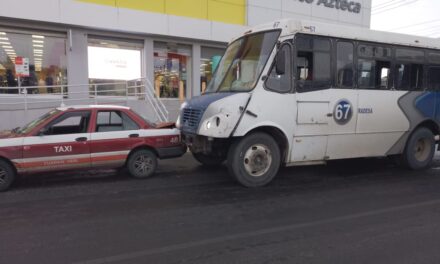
174	44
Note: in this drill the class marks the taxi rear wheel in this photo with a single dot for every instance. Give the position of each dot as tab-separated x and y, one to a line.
7	175
142	164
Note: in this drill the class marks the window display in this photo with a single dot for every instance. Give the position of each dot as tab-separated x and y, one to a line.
172	69
112	63
44	55
208	64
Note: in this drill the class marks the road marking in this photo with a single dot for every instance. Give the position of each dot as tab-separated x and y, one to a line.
167	249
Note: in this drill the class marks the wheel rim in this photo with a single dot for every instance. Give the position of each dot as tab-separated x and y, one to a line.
422	149
143	165
257	160
3	175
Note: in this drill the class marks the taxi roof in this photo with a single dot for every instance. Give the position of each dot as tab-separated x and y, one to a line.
76	107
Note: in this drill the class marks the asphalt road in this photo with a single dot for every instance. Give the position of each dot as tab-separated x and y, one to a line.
353	211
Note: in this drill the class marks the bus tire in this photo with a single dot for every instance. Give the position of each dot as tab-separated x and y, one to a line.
142	164
254	160
7	175
209	160
419	150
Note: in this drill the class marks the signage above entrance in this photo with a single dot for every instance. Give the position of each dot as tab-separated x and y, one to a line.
344	5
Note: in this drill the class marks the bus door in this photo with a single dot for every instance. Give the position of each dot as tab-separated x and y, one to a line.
312	126
312	71
343	104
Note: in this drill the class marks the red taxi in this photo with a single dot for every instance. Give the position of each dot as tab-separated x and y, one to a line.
85	137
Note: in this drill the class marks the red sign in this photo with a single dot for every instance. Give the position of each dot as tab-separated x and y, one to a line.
22	67
19	61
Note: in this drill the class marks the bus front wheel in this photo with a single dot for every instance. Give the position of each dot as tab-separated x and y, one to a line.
420	149
254	160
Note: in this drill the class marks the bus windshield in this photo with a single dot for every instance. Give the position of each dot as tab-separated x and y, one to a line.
243	62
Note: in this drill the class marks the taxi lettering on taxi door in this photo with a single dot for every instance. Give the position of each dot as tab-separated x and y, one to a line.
63	149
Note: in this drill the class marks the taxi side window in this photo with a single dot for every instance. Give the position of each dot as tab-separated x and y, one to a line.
69	123
110	121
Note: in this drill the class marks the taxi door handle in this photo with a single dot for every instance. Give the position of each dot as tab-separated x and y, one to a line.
81	139
133	135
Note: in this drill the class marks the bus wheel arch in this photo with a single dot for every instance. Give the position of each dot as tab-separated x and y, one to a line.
278	135
429	124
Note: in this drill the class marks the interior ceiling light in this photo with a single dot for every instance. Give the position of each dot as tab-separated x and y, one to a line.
5	43
8	47
9	50
38	36
2	33
4	38
38	55
38	46
38	50
36	41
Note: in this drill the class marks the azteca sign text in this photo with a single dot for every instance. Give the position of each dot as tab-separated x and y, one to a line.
344	5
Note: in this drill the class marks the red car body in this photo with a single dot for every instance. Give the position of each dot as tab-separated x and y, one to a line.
86	137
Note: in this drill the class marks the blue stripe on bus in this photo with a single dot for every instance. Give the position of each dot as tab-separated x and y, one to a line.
426	104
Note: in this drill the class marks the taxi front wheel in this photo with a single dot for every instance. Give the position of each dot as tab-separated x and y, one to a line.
142	164
7	175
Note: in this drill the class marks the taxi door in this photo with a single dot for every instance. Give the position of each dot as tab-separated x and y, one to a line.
62	144
115	134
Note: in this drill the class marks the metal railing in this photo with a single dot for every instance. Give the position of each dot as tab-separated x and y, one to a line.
34	97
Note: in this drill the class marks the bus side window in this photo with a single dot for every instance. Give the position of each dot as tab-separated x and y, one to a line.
409	77
344	65
373	74
277	82
434	79
313	68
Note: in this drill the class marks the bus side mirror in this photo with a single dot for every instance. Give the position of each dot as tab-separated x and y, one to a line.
280	62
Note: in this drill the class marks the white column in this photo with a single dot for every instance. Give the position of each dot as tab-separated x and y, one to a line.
196	56
148	60
77	65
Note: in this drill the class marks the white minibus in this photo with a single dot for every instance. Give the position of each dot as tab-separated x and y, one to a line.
294	93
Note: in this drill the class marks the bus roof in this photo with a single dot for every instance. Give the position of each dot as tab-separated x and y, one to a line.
290	27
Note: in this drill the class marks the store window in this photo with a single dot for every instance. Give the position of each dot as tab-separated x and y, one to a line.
172	69
208	64
112	63
44	55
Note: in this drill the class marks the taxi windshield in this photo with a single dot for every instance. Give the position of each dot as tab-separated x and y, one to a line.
28	128
243	62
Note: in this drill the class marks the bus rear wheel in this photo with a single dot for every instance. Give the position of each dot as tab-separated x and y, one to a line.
254	160
420	149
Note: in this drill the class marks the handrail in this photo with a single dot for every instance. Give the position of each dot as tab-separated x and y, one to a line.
138	89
